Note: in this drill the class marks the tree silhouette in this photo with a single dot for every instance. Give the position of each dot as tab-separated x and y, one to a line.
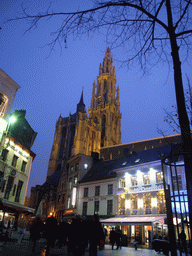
153	28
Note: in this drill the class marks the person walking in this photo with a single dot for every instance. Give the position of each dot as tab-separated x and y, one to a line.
51	229
95	235
118	238
36	229
112	237
21	228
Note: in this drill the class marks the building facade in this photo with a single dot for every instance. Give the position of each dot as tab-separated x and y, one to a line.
80	134
16	156
128	192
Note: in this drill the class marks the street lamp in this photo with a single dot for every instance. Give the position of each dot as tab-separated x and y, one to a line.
12	120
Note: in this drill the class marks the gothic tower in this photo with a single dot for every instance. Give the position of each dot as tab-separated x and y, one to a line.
105	106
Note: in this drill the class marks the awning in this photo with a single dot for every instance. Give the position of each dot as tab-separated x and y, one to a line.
135	220
14	207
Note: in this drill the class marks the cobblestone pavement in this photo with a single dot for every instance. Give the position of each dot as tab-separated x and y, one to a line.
24	249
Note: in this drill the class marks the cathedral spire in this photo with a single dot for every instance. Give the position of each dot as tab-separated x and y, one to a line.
81	105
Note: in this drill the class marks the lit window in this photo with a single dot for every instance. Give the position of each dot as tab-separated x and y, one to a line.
122	184
70	183
134	181
146	179
75	180
68	202
86	166
71	169
159	177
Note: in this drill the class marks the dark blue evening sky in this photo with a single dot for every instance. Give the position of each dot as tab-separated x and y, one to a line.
51	83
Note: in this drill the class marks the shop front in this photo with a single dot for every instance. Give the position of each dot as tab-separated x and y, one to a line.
11	211
140	229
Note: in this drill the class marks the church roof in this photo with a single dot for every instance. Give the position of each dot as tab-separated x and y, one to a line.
108	169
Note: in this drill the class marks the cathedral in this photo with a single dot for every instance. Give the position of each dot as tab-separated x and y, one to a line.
83	134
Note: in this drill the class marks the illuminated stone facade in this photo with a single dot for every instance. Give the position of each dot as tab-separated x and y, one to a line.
16	157
80	134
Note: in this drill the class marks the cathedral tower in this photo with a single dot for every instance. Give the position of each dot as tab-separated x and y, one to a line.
105	106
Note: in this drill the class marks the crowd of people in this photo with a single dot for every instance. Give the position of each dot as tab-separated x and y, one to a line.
78	235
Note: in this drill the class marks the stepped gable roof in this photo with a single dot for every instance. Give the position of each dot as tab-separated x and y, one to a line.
21	131
108	169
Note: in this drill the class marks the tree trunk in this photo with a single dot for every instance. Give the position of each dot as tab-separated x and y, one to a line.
182	113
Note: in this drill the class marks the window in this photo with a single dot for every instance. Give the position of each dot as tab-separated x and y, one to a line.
3	185
76	167
70	183
68	202
63	185
9	187
75	180
23	166
19	187
84	212
14	161
85	166
4	154
134	205
97	190
146	179
122	184
147	203
85	192
134	181
63	198
159	177
1	179
110	189
58	199
177	183
71	169
14	189
96	207
109	207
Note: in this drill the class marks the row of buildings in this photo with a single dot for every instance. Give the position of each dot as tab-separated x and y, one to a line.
91	172
16	156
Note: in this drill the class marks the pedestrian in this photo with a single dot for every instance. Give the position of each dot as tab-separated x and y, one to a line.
36	229
21	228
95	235
182	238
51	230
63	229
118	238
112	237
105	233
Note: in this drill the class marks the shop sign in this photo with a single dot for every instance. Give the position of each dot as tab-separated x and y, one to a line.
144	189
